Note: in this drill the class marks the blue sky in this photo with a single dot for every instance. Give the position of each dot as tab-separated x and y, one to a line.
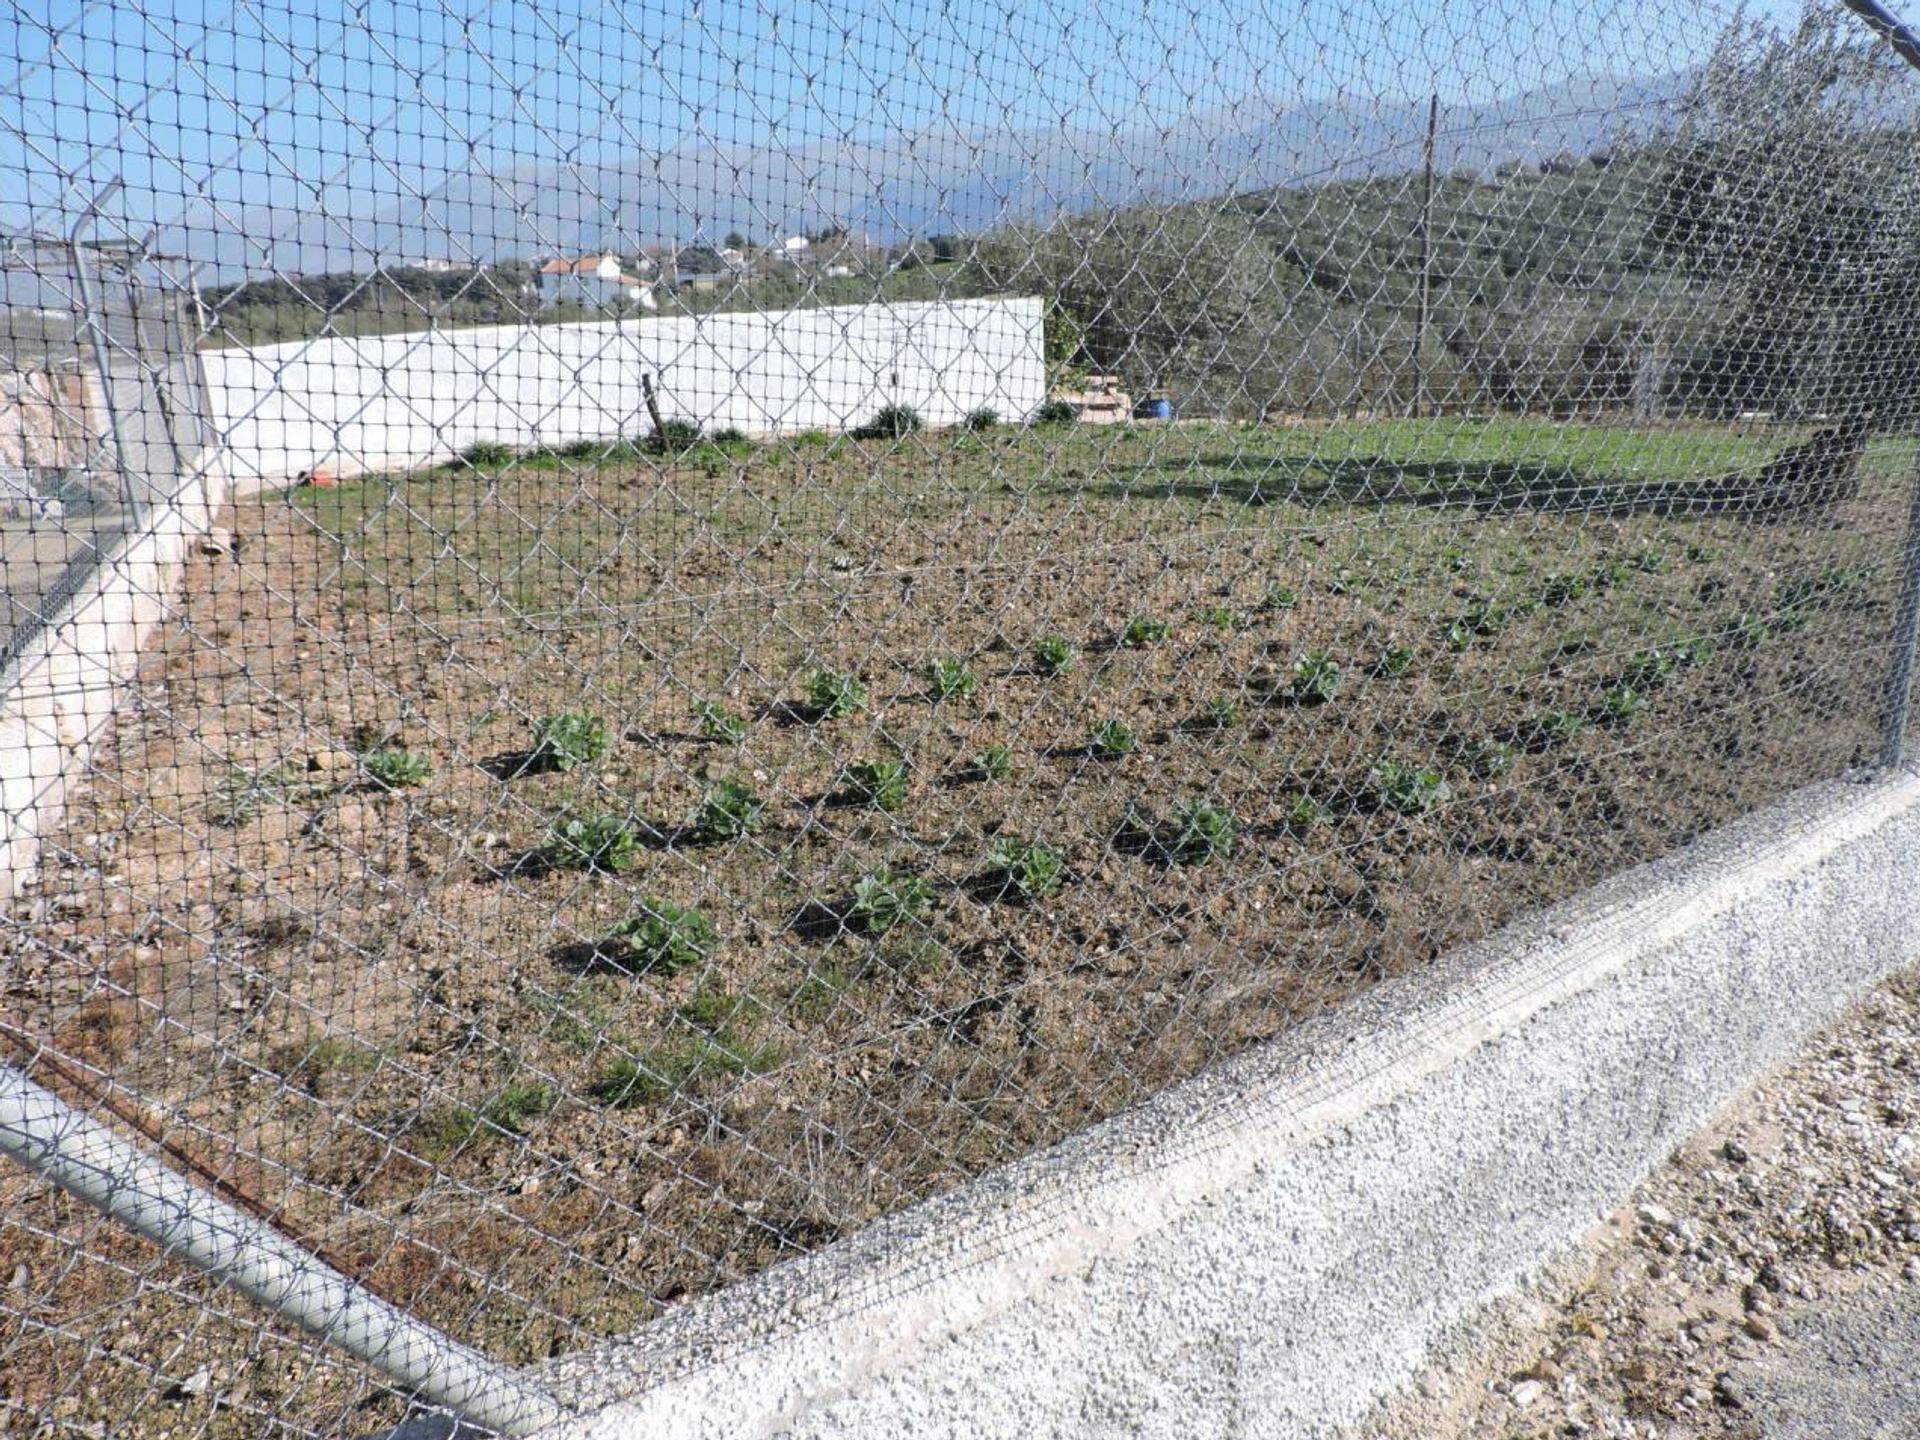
314	106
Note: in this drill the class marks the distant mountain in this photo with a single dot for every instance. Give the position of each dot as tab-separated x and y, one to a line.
923	185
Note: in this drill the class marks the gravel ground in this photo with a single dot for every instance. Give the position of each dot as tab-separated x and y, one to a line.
1764	1284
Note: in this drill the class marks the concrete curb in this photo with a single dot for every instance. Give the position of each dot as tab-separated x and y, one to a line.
1276	1247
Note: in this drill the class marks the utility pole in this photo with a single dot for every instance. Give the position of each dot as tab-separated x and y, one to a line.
1426	262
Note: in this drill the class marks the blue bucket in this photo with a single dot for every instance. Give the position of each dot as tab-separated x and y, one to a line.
1153	410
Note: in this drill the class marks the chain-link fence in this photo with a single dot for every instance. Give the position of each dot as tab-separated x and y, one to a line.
812	603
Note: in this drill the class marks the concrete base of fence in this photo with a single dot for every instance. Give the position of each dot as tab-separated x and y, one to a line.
1277	1247
60	691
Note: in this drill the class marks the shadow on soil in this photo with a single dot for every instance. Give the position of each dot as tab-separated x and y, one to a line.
1486	485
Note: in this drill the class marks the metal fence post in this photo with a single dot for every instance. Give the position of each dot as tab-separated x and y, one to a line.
96	336
90	1162
1906	633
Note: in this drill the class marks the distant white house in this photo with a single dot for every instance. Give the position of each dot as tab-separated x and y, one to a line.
794	245
596	281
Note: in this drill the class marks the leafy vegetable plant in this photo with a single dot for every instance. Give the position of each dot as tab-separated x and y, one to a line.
1222	618
1315	679
592	842
393	769
832	694
718	725
1621	704
1054	655
1488	758
1304	812
1220	713
728	811
994	763
561	742
1142	631
1278	597
883	899
1557	727
1026	867
664	937
1394	661
1407	789
1650	669
1114	738
948	678
1202	832
879	783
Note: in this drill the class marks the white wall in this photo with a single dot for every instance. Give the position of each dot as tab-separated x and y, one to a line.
397	400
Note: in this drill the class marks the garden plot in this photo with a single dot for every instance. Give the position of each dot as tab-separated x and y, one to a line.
607	876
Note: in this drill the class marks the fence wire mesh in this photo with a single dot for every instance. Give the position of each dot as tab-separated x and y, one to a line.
768	612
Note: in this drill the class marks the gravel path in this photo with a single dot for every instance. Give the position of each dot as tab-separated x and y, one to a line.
1765	1284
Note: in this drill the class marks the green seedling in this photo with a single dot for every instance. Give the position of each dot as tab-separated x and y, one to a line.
393	769
1621	705
1394	661
1278	597
591	842
1485	618
717	725
1315	679
1745	631
1489	758
1455	561
1610	573
561	742
1026	868
1202	833
1557	727
664	937
509	1111
1142	631
817	995
1304	812
1345	582
1406	789
1459	635
879	783
728	811
994	763
1054	655
1697	553
626	1082
1220	714
1111	739
245	793
1563	589
948	678
1651	561
832	694
1694	650
1650	669
1222	618
883	899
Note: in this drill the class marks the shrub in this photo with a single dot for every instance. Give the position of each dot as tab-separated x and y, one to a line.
1278	597
883	899
832	694
1026	868
1054	655
994	763
1621	704
879	783
732	438
949	678
392	769
560	742
592	842
1142	631
486	454
1394	661
664	937
890	422
673	437
1202	832
1057	412
1112	739
728	811
985	418
1315	679
1406	789
717	725
1488	758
